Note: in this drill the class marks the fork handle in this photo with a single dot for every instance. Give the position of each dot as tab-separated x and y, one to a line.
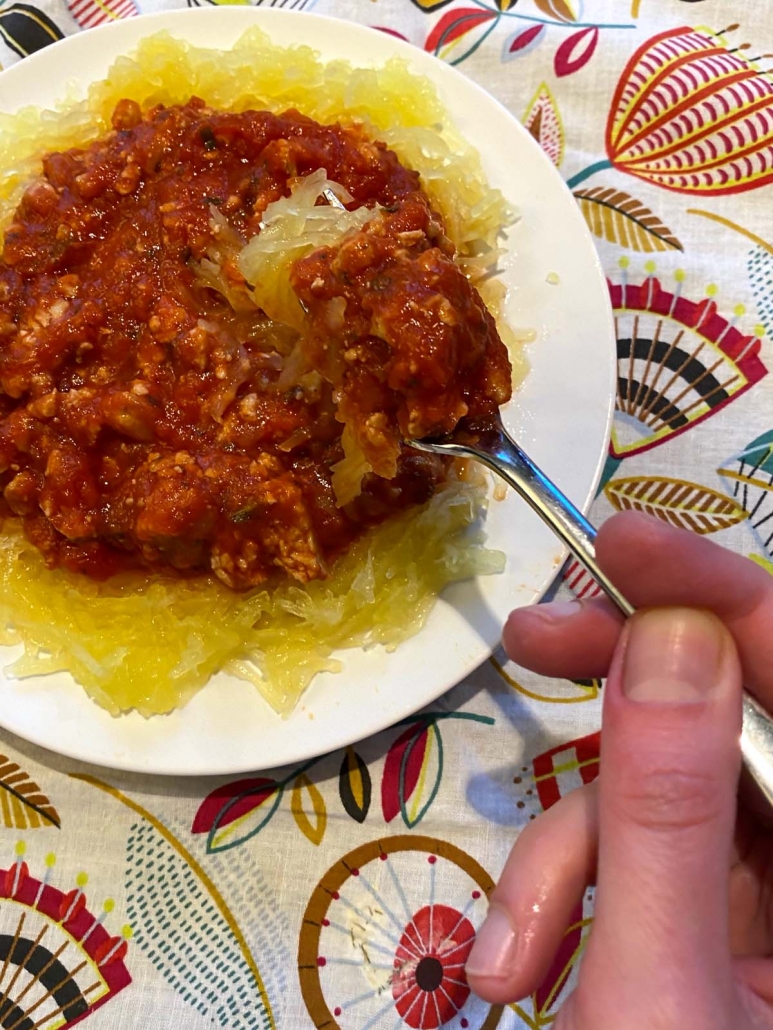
507	459
503	456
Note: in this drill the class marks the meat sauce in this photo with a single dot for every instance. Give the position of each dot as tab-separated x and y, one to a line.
414	349
142	423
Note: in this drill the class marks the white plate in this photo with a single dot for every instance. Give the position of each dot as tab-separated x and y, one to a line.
561	415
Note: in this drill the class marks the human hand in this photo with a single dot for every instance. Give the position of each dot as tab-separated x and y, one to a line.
683	923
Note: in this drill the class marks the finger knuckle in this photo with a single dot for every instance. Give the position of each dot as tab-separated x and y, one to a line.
669	798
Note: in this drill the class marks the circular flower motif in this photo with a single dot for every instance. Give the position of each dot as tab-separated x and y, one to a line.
386	934
692	117
429	985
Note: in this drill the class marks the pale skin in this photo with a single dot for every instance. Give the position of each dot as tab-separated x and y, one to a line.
683	861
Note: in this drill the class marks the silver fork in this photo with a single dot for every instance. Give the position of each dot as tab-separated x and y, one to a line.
490	444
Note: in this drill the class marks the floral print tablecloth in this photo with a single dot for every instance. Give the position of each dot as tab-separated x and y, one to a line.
346	892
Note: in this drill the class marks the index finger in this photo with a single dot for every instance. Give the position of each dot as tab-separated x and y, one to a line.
654	565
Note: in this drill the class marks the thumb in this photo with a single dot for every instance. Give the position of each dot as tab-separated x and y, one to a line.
667	798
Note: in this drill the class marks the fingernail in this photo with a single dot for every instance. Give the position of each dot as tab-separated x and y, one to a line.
493	953
672	654
554	611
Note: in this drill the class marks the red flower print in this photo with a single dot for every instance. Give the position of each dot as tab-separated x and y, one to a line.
691	116
679	362
562	769
90	13
429	986
386	935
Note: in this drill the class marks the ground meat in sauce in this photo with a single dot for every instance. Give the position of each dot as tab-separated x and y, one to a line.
402	334
141	423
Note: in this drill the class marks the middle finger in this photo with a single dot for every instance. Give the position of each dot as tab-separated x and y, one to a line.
565	639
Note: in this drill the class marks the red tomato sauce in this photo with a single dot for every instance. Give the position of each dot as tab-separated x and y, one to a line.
141	420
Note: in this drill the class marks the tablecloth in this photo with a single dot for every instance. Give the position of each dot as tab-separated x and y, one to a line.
346	892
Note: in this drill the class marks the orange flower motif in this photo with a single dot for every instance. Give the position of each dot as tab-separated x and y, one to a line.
692	117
